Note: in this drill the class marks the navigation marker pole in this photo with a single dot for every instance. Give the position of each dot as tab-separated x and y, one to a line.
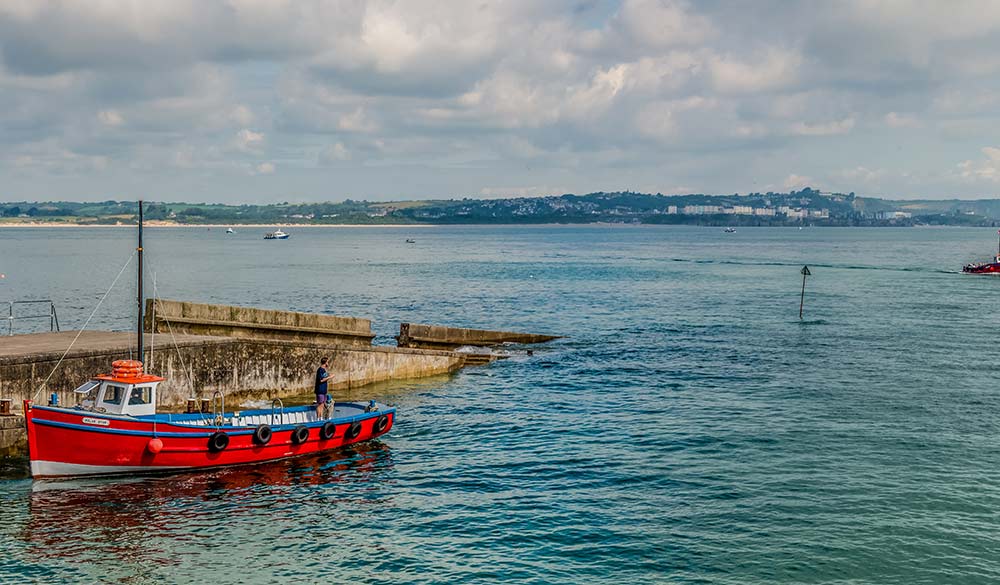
802	300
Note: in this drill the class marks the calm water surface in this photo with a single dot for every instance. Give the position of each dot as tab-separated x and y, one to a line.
690	429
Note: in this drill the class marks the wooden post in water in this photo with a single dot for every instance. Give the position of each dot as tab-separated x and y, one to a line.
802	300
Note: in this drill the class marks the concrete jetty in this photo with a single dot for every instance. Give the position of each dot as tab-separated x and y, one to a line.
416	335
198	365
166	316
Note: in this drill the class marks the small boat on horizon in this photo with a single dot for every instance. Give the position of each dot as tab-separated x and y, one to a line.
985	267
730	230
276	235
229	231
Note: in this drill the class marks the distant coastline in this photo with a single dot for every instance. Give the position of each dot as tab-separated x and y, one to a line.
160	224
805	207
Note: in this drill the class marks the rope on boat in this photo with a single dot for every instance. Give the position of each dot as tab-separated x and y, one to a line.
180	356
87	322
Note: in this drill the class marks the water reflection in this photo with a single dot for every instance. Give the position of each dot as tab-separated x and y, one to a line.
116	518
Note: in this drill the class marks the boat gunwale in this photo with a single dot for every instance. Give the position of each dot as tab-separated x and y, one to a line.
210	428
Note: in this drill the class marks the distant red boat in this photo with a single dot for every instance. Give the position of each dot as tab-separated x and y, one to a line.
985	267
115	429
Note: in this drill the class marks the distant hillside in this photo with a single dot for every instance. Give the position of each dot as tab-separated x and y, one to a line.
792	208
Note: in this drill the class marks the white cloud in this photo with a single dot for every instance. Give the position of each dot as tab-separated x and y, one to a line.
987	170
525	191
110	118
664	23
896	120
357	121
241	115
798	182
862	175
824	129
247	140
776	69
335	153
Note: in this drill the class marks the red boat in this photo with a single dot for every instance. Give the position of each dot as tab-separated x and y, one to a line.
116	429
985	267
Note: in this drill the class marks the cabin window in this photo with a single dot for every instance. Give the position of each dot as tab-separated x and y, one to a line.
113	394
141	395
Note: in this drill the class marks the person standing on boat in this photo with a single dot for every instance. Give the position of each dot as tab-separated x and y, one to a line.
322	377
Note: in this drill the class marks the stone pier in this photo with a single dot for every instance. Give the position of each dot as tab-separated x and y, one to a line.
196	365
181	317
440	337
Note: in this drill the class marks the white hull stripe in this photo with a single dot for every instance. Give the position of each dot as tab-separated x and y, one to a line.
55	468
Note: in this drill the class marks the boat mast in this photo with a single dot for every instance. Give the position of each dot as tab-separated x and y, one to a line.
139	287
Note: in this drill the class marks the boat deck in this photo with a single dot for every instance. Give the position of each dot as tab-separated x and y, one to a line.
296	415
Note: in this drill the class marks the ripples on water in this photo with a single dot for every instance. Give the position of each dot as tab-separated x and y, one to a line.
689	430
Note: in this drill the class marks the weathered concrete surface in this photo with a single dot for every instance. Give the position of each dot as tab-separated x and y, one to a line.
199	365
13	438
248	322
439	337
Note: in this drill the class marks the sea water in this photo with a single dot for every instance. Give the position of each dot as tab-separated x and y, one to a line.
689	428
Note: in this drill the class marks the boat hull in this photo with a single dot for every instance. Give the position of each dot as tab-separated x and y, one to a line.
991	268
69	442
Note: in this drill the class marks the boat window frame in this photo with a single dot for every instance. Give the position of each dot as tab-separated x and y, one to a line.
121	397
148	389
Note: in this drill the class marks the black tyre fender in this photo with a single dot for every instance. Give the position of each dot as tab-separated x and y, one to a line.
353	431
327	431
218	441
262	435
300	434
381	423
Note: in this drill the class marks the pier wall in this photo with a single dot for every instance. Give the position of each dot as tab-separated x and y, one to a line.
440	337
198	366
165	316
13	438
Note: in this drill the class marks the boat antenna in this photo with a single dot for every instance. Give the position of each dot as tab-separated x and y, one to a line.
138	251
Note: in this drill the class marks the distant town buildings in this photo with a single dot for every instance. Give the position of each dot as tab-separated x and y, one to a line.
781	211
892	215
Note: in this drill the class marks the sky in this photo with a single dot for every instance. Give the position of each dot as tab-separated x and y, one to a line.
260	101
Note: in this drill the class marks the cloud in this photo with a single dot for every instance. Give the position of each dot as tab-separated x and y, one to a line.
110	118
896	120
981	171
525	191
436	98
774	70
247	140
823	129
663	23
335	153
798	182
862	175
